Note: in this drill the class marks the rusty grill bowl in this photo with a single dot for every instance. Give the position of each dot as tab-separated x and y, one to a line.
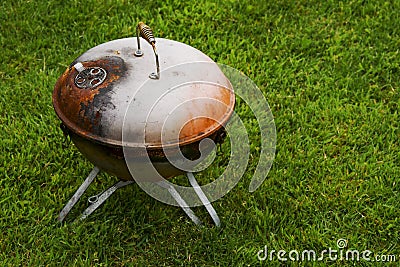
111	158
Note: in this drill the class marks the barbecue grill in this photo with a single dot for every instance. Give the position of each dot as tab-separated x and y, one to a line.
94	95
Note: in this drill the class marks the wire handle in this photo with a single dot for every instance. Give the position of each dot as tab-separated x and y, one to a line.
144	31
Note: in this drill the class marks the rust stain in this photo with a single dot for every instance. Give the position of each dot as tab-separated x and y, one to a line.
203	126
80	109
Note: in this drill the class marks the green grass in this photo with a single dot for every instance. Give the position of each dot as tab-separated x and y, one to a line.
330	71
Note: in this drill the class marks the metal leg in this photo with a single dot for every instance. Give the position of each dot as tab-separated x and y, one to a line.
204	199
97	200
181	202
78	194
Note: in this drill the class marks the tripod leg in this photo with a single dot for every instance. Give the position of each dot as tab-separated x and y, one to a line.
204	199
181	202
97	200
78	194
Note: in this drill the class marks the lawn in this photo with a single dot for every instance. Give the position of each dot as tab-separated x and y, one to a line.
330	71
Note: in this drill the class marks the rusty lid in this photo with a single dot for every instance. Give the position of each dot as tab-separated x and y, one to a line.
108	89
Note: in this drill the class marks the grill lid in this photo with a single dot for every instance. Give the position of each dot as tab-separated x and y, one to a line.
110	85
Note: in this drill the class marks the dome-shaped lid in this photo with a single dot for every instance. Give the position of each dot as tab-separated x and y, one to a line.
108	89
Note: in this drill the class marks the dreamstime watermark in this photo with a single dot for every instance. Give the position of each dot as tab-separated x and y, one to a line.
338	254
185	97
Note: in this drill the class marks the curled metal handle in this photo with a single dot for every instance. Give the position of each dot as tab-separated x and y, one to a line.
145	31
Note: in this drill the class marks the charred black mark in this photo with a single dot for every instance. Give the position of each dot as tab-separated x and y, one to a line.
101	102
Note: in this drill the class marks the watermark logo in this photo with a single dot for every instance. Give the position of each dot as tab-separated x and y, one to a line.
185	95
341	253
341	243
